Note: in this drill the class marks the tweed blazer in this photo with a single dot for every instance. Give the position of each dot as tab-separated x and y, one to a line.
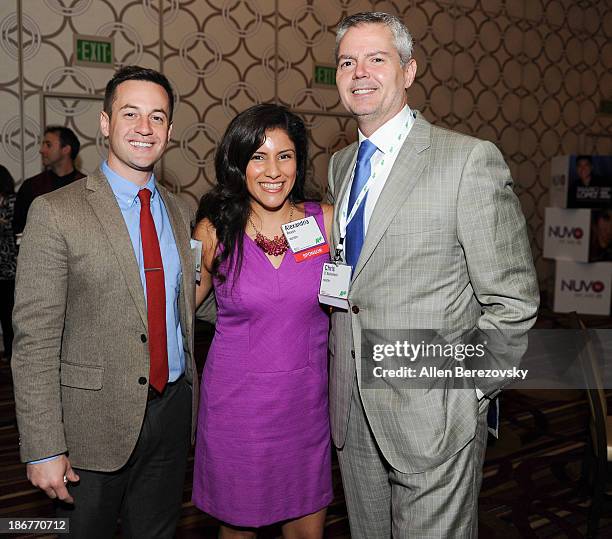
446	249
81	358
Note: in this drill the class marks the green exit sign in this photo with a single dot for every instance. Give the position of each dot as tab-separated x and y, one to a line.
93	51
324	75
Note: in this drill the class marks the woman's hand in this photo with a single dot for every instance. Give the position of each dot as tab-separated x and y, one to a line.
328	216
205	232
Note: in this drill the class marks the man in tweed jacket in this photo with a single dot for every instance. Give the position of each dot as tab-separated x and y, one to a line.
444	248
94	430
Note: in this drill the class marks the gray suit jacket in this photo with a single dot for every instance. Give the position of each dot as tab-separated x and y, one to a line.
446	249
80	320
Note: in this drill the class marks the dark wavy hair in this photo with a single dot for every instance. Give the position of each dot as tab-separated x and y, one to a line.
228	205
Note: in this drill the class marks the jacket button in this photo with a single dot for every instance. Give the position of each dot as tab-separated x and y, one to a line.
143	338
355	309
353	354
142	380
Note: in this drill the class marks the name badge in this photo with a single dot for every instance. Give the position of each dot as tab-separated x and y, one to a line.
196	249
335	283
305	238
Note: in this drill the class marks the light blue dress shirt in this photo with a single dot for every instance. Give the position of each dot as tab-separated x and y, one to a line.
126	194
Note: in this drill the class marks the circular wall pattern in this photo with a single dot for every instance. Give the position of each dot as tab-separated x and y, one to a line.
127	39
11	138
238	97
69	8
270	61
170	14
58	77
9	40
242	19
200	54
307	27
198	143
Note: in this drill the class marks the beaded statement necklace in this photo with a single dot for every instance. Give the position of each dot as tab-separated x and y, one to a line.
275	247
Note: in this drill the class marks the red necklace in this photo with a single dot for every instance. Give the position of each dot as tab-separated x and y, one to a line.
275	247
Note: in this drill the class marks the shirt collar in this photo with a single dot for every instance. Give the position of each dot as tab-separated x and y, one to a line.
386	135
125	191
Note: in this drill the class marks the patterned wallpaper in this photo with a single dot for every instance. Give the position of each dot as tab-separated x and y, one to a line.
525	74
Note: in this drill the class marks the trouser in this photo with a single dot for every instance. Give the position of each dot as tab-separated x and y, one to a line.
382	502
147	492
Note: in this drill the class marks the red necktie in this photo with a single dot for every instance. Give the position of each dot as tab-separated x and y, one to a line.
156	295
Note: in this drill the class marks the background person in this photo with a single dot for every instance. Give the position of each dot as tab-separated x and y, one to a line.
59	149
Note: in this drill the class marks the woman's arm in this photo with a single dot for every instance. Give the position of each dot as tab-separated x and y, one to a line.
328	215
205	232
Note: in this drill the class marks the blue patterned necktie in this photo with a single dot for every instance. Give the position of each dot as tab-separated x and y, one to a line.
355	229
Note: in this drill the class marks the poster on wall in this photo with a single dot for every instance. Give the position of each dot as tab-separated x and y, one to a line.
578	235
581	181
584	288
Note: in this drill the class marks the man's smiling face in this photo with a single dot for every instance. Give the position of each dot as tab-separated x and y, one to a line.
138	129
370	78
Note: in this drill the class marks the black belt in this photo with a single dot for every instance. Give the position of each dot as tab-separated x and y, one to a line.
154	394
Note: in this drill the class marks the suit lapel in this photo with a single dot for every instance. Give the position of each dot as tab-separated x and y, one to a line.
407	169
181	236
105	207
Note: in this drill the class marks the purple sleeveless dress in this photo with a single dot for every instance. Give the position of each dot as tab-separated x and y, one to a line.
263	450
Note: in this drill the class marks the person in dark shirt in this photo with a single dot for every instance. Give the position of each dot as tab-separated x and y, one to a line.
8	260
58	149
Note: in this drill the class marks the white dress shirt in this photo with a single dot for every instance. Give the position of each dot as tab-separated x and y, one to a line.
388	138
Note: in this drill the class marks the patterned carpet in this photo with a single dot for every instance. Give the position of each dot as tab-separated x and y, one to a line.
531	484
533	474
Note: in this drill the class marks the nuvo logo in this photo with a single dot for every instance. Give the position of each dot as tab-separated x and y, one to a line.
563	232
580	285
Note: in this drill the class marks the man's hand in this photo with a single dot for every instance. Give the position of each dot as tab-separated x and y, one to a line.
52	476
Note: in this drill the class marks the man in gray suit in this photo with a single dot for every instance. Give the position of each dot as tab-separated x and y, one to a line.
434	234
104	372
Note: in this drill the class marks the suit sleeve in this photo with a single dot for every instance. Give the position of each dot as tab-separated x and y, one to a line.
493	234
38	321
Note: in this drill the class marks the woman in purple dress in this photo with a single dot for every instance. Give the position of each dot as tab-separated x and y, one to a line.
263	452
